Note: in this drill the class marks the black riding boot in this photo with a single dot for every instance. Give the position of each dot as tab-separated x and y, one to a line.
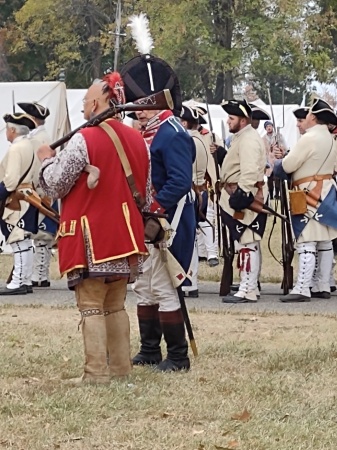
150	336
172	324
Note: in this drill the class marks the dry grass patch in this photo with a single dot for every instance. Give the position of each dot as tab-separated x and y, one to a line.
260	383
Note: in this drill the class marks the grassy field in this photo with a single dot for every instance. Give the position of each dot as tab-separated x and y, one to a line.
260	383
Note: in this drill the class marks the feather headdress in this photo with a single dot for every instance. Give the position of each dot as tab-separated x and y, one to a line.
114	87
140	33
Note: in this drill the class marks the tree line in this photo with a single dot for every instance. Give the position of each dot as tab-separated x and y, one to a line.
216	46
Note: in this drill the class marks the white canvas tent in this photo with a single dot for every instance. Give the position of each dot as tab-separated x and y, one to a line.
75	106
49	94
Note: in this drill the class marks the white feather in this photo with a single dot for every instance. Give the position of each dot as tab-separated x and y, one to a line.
140	32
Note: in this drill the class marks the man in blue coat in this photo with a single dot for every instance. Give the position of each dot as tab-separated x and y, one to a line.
168	266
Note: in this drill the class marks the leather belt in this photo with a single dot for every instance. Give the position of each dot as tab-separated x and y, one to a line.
312	178
200	187
230	188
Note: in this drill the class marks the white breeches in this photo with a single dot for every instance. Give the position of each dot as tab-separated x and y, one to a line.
155	285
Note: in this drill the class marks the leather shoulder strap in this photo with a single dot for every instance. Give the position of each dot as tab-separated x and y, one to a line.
140	202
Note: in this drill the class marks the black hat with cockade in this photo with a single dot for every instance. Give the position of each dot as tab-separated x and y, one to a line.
301	112
237	108
202	111
190	114
258	113
147	74
35	110
323	111
20	119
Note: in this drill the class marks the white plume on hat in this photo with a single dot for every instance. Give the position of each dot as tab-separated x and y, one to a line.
140	32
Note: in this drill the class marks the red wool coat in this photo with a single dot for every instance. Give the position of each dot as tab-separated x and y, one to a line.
108	214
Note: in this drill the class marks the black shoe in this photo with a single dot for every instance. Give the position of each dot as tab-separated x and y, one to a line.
192	294
172	323
294	298
333	288
29	288
44	283
324	294
22	290
213	262
235	287
202	258
147	360
173	366
234	299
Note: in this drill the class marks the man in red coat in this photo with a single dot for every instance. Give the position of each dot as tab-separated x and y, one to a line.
101	234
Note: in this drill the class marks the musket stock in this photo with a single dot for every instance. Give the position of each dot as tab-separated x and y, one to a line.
160	101
287	241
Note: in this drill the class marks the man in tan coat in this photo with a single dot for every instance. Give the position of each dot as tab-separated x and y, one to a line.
242	178
44	239
311	165
19	219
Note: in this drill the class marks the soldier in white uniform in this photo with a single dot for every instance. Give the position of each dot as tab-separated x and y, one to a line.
311	165
189	119
44	239
19	220
242	179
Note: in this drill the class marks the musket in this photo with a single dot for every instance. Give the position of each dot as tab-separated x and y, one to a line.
35	200
258	207
217	172
13	102
227	242
288	249
271	110
286	228
162	100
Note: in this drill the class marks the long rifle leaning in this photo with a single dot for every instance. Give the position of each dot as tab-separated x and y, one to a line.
286	230
216	187
228	245
288	249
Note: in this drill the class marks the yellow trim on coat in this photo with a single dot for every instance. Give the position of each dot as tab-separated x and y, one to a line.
62	229
86	228
126	213
80	266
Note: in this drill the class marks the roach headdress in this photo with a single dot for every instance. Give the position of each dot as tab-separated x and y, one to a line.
114	87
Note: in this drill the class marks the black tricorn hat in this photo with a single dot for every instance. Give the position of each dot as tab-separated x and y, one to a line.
20	119
35	110
323	111
237	108
190	113
301	112
202	111
146	74
258	113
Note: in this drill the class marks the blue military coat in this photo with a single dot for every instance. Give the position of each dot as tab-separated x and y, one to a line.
172	155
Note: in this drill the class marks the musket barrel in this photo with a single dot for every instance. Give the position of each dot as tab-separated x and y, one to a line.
160	101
